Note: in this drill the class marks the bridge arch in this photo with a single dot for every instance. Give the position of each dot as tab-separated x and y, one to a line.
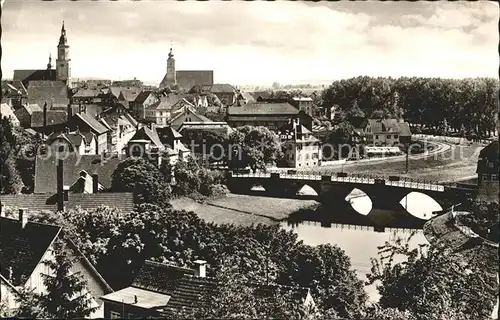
360	201
420	205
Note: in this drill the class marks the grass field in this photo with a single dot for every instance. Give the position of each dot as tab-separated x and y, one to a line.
243	209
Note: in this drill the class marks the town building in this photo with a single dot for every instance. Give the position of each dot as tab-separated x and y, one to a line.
302	149
142	102
174	148
15	91
26	245
185	79
244	98
85	95
122	128
54	93
146	143
62	143
47	121
185	112
303	104
385	132
270	115
62	73
85	123
225	92
488	172
6	111
200	126
164	291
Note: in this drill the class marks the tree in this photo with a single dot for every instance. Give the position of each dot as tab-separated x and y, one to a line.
29	305
144	179
432	282
67	296
10	179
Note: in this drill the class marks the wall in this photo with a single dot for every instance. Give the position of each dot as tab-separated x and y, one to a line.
102	143
488	188
7	296
126	311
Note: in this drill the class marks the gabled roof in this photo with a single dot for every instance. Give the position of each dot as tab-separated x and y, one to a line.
23	248
159	277
388	125
87	93
18	86
142	96
123	201
189	108
54	117
92	122
45	170
166	102
251	109
74	138
129	94
7	112
115	91
33	107
148	134
222	88
247	96
52	92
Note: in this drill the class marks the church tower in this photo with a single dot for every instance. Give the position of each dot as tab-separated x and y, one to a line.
171	78
63	62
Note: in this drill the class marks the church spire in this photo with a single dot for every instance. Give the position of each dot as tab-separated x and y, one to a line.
62	39
49	65
170	54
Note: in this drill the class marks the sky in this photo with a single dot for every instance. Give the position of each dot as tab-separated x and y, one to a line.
255	42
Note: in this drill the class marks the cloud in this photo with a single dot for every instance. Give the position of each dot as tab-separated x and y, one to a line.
257	42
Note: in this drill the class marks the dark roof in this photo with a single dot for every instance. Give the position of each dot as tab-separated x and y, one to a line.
148	134
261	94
87	93
47	201
45	170
404	129
18	86
251	109
129	94
487	156
386	125
92	122
142	96
115	91
26	76
247	96
54	117
30	108
166	102
23	248
188	78
222	88
159	277
55	93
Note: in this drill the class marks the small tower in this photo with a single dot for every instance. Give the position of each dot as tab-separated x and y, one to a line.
49	65
171	78
63	62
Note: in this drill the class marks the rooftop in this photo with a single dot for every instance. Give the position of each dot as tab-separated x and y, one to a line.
264	109
145	299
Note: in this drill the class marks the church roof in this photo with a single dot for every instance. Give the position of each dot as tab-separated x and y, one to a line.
26	76
55	93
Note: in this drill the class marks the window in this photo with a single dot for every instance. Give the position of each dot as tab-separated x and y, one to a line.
490	165
114	315
61	148
315	156
485	176
299	157
396	136
376	136
494	177
388	136
131	316
307	156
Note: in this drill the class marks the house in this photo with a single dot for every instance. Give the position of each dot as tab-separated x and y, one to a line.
46	178
488	172
174	149
7	112
15	91
129	94
67	142
163	291
303	104
185	112
143	101
47	121
25	113
86	96
219	126
160	112
54	93
302	149
225	92
146	143
26	245
85	123
123	127
244	98
386	132
270	115
200	101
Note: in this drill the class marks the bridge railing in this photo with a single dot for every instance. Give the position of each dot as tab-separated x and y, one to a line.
395	181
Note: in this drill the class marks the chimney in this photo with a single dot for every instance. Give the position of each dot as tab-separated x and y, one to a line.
2	210
70	112
66	130
95	183
45	118
201	269
66	193
60	191
135	299
11	274
23	217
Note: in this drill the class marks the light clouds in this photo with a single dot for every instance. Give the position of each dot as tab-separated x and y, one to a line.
257	42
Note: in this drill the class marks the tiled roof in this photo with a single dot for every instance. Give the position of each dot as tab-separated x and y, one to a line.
247	96
52	92
145	299
222	88
115	91
22	248
30	108
142	96
75	138
209	126
92	122
54	117
188	78
388	125
19	86
166	102
129	94
45	170
148	134
159	277
263	109
48	201
7	111
26	76
86	93
261	94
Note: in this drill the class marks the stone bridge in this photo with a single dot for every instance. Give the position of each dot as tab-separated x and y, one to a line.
385	193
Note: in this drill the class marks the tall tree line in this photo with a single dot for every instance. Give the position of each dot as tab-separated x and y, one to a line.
467	105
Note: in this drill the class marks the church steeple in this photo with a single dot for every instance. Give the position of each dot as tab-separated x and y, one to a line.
171	77
170	54
63	62
62	39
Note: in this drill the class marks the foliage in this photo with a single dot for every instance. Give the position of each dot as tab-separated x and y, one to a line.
210	144
468	105
432	282
28	146
326	269
29	305
254	147
141	177
341	140
483	219
10	177
67	296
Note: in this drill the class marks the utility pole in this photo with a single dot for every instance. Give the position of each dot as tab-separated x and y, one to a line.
407	156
